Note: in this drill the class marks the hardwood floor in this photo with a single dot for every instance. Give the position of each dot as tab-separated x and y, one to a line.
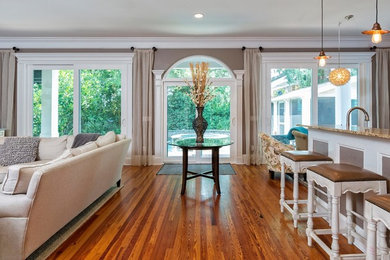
148	219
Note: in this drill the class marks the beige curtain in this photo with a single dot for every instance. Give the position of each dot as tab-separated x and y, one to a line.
143	105
251	104
381	90
7	92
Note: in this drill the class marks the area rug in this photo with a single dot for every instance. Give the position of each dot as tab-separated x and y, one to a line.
169	169
63	234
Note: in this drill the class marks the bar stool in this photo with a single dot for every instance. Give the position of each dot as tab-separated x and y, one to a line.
298	161
339	179
377	212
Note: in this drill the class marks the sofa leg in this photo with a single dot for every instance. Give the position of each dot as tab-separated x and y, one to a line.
118	183
271	174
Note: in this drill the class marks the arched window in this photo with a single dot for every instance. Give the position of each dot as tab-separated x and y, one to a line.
179	111
181	69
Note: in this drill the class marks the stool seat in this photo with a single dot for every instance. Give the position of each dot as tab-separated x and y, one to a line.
303	156
382	201
342	172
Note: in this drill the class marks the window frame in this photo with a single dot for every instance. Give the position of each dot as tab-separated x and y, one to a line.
28	62
360	60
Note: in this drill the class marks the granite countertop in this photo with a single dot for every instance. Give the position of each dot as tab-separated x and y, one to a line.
373	132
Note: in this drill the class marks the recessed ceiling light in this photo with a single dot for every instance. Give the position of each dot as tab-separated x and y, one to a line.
198	16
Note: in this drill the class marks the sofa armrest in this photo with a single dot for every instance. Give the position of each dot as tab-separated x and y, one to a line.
14	206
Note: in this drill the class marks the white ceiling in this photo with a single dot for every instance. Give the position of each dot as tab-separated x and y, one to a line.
164	18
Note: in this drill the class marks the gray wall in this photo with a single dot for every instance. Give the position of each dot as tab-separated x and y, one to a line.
165	58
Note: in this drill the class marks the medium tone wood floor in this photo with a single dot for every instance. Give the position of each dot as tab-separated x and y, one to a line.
148	219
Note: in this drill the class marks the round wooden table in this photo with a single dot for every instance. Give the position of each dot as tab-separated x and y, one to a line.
212	144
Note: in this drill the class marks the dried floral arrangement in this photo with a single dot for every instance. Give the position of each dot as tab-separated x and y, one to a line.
200	89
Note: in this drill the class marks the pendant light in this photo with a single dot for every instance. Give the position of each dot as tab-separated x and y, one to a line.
340	76
376	30
322	57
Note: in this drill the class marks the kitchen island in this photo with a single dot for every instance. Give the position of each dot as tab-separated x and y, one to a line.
368	148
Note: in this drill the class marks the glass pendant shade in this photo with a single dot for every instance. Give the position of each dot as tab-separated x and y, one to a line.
322	57
376	30
339	76
376	33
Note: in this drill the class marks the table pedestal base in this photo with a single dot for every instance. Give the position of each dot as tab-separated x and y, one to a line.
214	171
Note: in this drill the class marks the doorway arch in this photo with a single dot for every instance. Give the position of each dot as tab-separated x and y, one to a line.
168	83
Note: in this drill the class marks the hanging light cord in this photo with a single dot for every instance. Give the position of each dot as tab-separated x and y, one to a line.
376	14
339	43
322	25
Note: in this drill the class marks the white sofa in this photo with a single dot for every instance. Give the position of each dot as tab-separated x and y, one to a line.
56	194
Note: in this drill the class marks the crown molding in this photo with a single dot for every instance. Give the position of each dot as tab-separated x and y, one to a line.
308	57
184	42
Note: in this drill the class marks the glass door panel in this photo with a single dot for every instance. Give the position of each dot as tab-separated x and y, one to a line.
100	100
334	102
52	103
180	114
290	99
217	115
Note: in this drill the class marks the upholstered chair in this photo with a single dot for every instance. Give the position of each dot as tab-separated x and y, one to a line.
272	149
301	141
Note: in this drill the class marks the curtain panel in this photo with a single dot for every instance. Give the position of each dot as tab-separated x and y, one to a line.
252	103
143	108
381	89
8	91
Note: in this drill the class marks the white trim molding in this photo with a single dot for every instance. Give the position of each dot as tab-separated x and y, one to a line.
184	42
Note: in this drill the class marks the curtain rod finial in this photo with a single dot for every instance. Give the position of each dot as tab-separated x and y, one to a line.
154	49
243	48
15	49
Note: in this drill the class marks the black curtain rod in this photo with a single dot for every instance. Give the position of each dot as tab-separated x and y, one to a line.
244	48
15	49
153	48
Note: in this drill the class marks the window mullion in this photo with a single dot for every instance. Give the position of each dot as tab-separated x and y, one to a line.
76	102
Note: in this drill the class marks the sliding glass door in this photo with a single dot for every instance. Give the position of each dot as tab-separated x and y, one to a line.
304	95
77	100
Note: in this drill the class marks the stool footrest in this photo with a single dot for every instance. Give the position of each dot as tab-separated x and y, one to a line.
303	215
358	216
292	201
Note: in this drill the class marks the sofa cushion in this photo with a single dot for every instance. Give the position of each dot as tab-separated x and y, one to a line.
17	150
84	148
106	139
69	142
18	176
51	148
84	138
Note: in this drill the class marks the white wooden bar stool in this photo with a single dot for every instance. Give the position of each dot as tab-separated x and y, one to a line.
298	161
339	179
377	212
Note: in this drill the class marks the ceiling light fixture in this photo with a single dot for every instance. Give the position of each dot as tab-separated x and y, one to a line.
198	16
340	76
322	56
376	30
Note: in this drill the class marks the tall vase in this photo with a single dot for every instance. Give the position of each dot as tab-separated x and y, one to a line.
199	125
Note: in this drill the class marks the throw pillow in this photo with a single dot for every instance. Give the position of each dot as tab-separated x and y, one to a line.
17	150
84	148
51	148
69	142
106	139
120	137
82	139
